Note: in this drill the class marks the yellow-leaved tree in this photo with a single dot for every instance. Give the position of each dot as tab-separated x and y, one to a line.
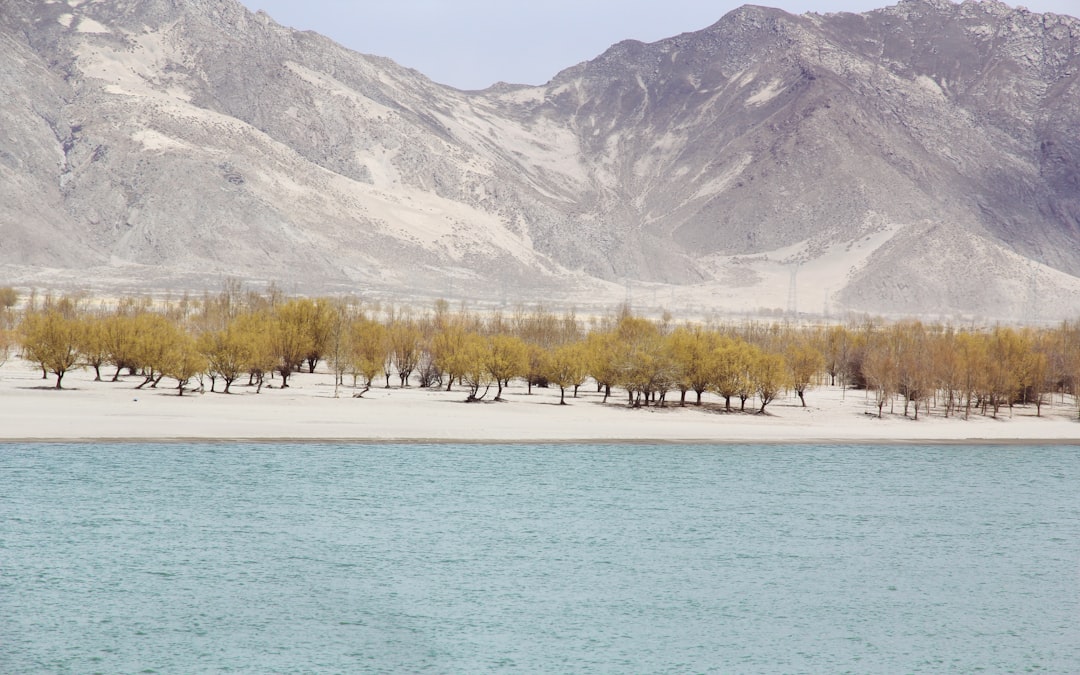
694	351
568	366
50	338
507	358
183	361
291	337
770	375
448	349
475	374
93	348
805	363
732	362
367	349
403	337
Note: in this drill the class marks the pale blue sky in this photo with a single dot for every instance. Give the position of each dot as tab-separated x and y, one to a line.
472	44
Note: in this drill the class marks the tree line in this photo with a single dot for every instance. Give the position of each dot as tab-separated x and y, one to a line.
244	338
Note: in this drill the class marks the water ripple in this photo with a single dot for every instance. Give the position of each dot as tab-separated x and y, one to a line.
565	558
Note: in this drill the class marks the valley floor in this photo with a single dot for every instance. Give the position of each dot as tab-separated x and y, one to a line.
31	410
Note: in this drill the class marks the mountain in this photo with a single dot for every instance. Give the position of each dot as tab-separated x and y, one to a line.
918	159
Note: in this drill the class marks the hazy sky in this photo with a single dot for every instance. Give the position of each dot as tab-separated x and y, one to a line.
471	44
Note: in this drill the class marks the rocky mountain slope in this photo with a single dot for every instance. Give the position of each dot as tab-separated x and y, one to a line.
919	159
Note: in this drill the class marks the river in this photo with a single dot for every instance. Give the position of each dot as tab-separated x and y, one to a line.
583	558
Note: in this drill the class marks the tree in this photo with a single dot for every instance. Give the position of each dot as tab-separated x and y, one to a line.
291	337
694	351
536	373
404	342
972	348
769	373
321	320
837	345
1070	348
507	358
603	360
183	361
804	362
257	329
448	349
643	363
336	340
93	347
230	352
1007	349
5	345
368	349
50	338
914	362
121	335
156	337
9	297
949	368
475	373
731	364
880	368
568	367
1036	370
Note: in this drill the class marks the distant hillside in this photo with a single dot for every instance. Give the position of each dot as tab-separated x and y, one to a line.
919	159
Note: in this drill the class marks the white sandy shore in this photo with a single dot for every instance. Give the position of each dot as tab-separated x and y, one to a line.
30	409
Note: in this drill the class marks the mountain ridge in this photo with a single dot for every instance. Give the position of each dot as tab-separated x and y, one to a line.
174	142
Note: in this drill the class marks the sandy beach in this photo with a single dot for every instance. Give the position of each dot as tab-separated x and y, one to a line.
32	410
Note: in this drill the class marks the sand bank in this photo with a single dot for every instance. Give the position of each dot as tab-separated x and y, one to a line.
31	410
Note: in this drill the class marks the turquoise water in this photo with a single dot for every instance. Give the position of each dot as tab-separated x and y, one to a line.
184	558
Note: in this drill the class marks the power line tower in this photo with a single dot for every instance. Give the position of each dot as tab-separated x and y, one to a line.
793	293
